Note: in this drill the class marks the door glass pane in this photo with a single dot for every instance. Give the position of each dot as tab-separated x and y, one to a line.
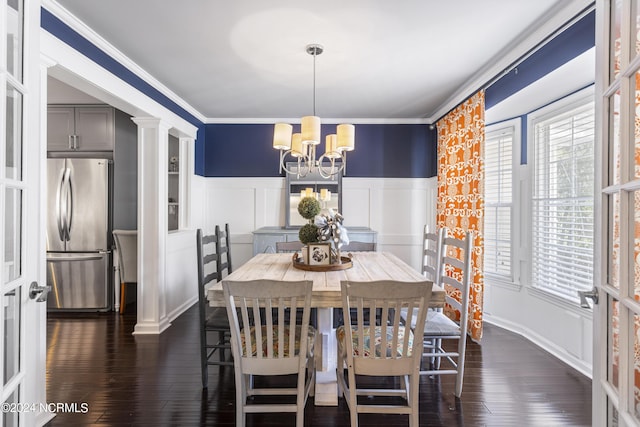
11	334
12	234
614	235
636	245
14	38
635	47
614	138
614	343
11	419
14	134
616	19
636	365
636	157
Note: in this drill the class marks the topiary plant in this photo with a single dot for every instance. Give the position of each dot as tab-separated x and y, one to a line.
308	208
308	234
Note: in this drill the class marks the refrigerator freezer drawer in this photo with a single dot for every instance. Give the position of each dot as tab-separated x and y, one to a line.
78	281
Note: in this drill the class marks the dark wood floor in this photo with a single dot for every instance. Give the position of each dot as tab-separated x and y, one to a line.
155	381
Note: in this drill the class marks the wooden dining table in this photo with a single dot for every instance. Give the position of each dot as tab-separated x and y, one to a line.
366	267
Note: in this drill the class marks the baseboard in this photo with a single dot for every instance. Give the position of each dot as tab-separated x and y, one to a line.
173	315
548	346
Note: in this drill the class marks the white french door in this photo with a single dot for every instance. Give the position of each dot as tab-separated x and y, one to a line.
22	380
616	369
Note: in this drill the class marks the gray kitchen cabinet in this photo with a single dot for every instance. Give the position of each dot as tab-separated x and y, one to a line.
265	238
80	128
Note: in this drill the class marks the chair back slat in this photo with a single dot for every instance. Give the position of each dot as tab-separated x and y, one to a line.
432	250
384	336
268	311
456	270
223	251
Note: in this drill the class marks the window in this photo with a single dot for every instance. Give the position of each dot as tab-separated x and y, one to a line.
563	200
499	155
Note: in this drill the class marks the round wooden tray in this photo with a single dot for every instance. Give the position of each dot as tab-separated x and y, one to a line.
346	264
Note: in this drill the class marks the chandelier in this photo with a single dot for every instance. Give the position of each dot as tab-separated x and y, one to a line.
302	146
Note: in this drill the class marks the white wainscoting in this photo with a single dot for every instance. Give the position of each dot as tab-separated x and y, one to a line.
561	329
396	208
181	272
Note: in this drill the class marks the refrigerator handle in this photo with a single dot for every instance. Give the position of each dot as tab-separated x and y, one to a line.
59	207
68	205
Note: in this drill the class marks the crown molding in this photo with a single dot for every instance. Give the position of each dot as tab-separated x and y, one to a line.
262	120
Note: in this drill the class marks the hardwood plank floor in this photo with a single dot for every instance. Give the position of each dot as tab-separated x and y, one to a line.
131	380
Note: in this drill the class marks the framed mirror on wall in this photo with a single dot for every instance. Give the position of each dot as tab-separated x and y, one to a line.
328	191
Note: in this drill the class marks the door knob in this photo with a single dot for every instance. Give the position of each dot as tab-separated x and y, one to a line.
39	291
592	294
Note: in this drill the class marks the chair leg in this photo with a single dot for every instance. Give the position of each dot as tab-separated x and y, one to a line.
412	400
353	398
204	369
123	297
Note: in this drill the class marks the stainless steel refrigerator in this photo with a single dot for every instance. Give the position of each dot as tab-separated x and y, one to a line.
78	234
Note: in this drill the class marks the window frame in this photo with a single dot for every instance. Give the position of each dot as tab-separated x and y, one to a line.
516	196
556	108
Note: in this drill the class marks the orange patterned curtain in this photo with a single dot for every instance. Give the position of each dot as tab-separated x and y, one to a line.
460	205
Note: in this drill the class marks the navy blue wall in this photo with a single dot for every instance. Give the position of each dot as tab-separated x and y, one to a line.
391	151
572	42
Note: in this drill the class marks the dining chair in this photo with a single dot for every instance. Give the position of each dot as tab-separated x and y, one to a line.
267	341
214	323
293	246
384	348
432	248
455	276
127	247
359	247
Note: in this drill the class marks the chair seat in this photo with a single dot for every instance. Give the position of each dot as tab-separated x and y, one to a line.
341	336
216	318
311	338
437	324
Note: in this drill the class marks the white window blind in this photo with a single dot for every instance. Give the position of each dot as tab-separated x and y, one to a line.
563	197
498	206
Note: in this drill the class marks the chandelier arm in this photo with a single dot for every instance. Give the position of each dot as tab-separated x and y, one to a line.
306	165
332	171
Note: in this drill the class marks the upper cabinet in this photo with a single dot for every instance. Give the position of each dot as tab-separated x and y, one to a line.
80	128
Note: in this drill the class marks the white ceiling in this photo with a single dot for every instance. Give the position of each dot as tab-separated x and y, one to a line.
246	59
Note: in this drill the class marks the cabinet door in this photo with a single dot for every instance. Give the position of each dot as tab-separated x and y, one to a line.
60	128
94	129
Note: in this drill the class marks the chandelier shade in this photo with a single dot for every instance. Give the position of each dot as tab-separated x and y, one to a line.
310	129
302	146
282	136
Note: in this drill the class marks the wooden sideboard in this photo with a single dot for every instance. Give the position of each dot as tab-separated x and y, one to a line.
265	238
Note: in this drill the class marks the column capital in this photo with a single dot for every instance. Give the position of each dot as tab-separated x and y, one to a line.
151	123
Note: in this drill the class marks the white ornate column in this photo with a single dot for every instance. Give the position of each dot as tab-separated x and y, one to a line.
152	225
